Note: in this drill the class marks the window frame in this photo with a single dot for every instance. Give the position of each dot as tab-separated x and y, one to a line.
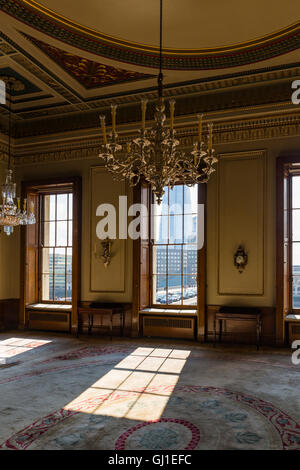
29	259
151	289
285	166
42	195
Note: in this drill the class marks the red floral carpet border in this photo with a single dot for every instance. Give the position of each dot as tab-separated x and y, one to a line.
287	428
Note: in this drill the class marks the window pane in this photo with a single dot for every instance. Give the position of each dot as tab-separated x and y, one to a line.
159	260
62	206
49	233
69	260
296	192
46	287
160	233
190	259
70	217
175	229
296	256
176	200
296	292
159	289
174	290
163	208
296	224
61	233
174	259
59	287
190	228
49	207
47	260
69	289
190	199
189	290
60	261
70	233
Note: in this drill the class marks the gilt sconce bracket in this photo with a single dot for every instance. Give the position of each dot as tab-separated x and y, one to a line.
240	259
105	255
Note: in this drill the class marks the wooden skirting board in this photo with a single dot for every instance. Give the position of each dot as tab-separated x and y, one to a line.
9	314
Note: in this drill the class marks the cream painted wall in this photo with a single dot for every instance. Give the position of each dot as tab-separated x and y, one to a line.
81	168
9	248
240	231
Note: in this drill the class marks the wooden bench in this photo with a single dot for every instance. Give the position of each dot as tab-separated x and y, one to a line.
102	309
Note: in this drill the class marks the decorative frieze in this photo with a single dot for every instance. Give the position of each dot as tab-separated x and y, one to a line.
224	133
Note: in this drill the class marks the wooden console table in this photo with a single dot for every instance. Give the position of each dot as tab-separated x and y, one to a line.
240	314
102	309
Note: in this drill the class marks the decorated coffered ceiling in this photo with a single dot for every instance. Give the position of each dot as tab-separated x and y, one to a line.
76	58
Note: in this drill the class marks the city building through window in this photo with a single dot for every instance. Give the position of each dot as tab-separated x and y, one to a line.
174	248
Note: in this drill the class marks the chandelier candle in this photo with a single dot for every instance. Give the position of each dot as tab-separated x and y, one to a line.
144	105
172	106
113	116
210	128
200	117
102	118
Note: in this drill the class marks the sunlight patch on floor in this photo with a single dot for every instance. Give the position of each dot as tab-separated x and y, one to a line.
12	347
139	386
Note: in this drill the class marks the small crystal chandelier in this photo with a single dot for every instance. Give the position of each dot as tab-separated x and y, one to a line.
154	155
11	213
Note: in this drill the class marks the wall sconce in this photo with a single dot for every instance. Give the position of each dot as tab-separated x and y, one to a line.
240	259
106	251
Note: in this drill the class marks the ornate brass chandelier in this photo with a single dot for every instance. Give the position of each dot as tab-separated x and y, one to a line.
154	155
11	213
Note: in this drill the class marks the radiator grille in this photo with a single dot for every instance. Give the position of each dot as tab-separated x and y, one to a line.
169	322
57	317
54	321
296	329
169	327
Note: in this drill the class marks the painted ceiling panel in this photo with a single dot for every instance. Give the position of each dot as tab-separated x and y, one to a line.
88	73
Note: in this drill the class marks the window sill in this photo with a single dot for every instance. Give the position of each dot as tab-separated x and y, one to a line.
292	317
169	311
52	307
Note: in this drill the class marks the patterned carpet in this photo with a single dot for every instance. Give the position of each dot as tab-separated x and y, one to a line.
59	392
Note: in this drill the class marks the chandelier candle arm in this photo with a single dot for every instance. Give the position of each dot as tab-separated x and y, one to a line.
113	117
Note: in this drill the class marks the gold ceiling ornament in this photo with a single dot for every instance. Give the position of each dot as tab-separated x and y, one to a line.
154	156
11	212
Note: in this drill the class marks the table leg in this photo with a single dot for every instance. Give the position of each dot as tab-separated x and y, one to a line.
215	331
123	322
91	322
111	325
220	330
77	329
258	332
